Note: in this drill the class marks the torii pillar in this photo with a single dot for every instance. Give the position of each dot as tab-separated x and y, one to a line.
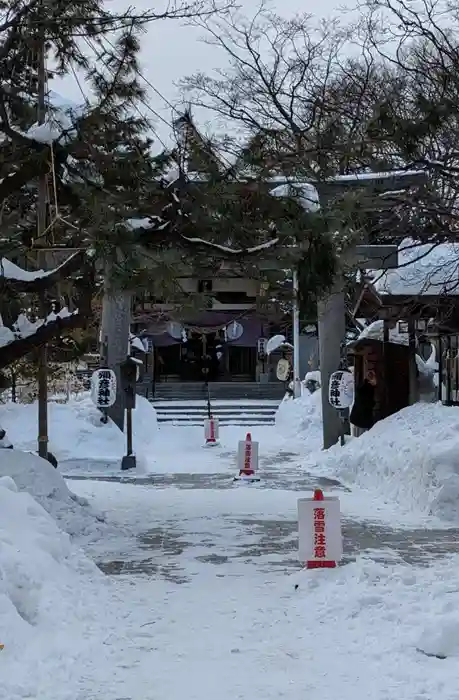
331	312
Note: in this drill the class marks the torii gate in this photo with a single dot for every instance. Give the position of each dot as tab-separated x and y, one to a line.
331	310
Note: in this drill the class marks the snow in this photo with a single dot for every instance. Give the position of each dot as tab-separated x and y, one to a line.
274	343
137	343
43	482
60	120
304	192
210	600
383	175
408	459
232	251
146	222
300	419
14	272
313	376
76	431
375	331
24	327
427	269
6	336
441	637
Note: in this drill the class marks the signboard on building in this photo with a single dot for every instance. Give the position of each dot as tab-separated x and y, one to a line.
319	530
103	388
261	346
341	389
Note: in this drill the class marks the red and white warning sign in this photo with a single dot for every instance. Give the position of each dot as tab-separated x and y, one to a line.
319	530
247	460
211	431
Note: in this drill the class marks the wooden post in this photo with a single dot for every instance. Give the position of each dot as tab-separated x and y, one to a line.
385	389
42	369
129	431
413	372
296	337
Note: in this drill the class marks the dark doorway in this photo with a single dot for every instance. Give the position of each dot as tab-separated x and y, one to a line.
197	360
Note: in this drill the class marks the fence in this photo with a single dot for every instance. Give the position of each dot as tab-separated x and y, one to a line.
60	390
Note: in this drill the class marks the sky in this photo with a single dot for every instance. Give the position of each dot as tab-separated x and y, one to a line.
172	50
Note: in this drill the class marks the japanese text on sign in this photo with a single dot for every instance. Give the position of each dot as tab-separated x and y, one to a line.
320	541
341	389
248	455
103	388
319	530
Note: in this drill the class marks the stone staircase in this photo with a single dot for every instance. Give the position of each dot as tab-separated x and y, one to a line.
236	412
219	391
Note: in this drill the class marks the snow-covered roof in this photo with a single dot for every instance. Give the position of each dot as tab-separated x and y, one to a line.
375	331
383	175
427	269
304	192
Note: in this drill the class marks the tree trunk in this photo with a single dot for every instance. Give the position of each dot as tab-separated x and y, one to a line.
114	340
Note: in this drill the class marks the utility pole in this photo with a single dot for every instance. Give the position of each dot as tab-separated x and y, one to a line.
42	374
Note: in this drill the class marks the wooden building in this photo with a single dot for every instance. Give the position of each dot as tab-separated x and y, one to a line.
409	327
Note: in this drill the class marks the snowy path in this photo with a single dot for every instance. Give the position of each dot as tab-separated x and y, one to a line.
204	602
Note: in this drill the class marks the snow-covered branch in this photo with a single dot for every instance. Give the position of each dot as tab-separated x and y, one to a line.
18	343
232	251
14	279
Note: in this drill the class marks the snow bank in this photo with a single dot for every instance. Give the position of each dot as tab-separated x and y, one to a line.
410	458
76	431
50	598
44	483
301	419
39	568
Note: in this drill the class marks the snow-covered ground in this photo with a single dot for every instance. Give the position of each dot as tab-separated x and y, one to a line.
76	431
205	596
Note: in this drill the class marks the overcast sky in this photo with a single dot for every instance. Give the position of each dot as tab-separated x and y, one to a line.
171	51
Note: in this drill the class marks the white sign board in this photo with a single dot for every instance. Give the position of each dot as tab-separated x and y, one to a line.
103	388
341	389
247	455
261	346
319	530
211	429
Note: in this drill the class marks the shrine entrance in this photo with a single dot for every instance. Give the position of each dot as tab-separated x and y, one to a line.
201	357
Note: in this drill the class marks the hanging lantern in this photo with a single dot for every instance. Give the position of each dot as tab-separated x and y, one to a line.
234	331
341	389
283	370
